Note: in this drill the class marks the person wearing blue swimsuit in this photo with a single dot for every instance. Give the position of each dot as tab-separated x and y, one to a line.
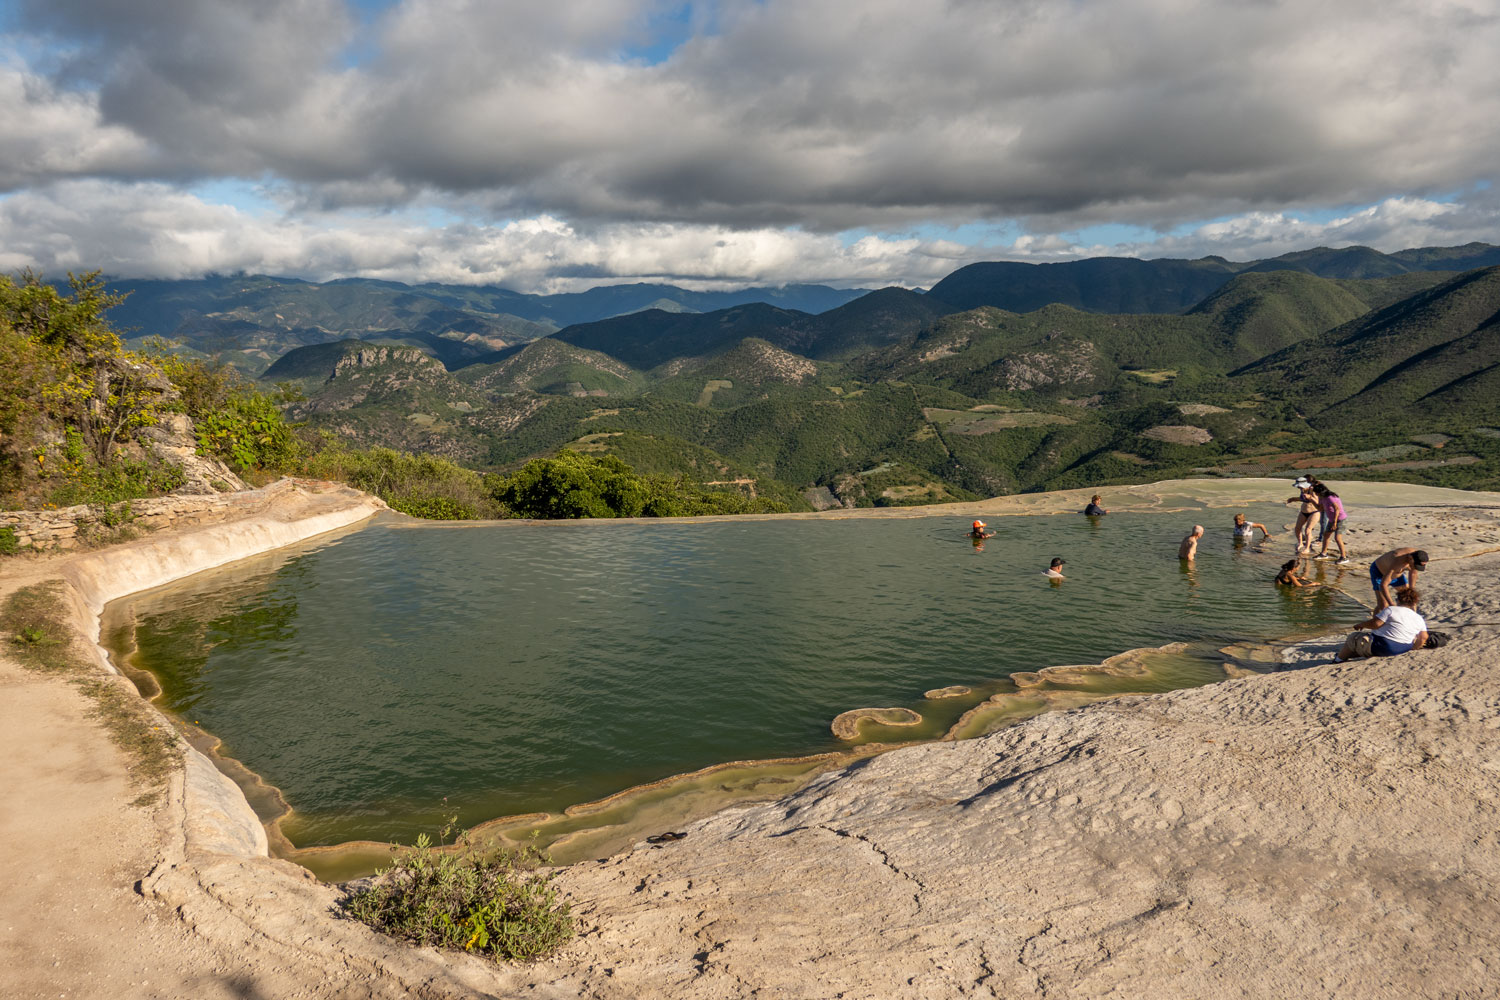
1397	568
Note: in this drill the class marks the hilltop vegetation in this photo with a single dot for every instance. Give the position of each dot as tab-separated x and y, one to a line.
250	321
1274	369
1385	370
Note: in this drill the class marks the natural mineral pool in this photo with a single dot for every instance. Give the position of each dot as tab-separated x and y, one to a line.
408	670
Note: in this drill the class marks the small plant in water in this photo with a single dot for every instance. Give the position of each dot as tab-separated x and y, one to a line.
497	902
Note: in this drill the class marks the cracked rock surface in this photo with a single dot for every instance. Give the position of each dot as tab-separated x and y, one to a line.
1331	831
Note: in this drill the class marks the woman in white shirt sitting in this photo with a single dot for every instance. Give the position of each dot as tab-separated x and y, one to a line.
1398	629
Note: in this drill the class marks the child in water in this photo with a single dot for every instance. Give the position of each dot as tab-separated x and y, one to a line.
1245	530
1288	576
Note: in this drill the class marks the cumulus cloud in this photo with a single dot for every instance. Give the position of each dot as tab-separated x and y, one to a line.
150	229
48	133
156	230
823	114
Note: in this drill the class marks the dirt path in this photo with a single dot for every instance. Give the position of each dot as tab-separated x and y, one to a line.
73	847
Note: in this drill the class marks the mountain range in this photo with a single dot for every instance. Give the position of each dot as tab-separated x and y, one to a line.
250	320
899	397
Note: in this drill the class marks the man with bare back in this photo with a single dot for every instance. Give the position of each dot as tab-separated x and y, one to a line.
1397	568
1189	547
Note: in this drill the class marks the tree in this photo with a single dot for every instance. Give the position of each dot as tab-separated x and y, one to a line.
574	485
102	389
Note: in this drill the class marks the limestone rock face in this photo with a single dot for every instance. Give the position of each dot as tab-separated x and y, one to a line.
173	440
1320	832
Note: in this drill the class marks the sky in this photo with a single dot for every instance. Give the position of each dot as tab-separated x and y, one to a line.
553	146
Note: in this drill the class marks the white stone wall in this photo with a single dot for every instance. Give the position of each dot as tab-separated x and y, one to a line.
69	527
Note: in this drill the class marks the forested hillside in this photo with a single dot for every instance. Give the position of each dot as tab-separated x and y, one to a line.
896	399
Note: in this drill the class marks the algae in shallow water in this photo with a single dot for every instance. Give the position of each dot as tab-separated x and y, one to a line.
519	669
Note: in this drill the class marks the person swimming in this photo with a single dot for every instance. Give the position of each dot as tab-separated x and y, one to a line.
1093	509
1288	576
977	531
1055	570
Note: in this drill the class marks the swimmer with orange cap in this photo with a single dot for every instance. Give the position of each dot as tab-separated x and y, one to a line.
978	531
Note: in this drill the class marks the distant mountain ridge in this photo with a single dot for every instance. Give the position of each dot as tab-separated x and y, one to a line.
1128	285
251	320
896	398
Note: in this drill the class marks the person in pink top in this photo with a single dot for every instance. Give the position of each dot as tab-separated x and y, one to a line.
1334	513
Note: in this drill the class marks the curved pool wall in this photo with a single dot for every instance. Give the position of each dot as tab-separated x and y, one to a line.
323	674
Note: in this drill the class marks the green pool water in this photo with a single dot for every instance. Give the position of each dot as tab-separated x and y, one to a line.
404	671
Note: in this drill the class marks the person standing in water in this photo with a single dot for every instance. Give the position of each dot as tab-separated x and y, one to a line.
1245	530
1310	505
977	532
1093	509
1188	550
1055	570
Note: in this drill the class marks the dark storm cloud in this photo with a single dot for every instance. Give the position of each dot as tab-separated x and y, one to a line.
826	114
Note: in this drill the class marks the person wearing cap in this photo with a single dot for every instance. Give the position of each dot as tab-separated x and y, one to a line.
978	532
1055	571
1308	498
1397	568
1188	550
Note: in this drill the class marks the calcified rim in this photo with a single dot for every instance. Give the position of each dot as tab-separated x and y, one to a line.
1004	707
741	780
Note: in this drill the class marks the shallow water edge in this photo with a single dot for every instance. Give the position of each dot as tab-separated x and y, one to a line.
609	824
605	826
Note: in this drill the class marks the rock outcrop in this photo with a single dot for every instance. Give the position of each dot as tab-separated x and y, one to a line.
173	440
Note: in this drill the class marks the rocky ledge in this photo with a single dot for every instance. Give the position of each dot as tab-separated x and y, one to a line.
1326	831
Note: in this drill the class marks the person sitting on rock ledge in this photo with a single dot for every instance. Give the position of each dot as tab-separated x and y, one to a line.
1398	629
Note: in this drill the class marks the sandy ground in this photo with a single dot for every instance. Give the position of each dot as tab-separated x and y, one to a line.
74	847
1318	832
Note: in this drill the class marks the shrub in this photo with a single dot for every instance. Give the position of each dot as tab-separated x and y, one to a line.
419	485
573	485
247	431
74	478
9	543
96	384
500	903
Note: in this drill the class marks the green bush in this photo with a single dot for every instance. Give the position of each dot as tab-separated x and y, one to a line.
9	543
419	485
500	904
247	431
74	478
574	485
